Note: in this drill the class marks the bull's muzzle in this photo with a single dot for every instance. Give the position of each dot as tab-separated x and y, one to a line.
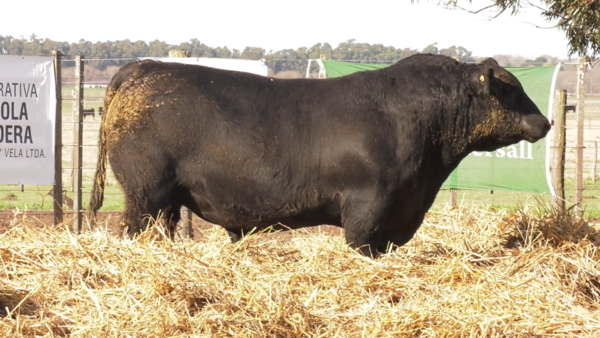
534	127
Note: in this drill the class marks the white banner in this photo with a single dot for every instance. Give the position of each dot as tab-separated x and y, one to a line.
27	117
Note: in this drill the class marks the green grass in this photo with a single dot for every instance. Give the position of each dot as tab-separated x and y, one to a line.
512	200
35	197
498	200
88	93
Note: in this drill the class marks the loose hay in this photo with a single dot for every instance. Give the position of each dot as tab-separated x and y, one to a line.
468	272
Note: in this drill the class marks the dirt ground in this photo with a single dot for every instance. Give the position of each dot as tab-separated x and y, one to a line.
110	221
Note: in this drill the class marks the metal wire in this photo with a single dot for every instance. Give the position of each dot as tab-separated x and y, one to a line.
592	118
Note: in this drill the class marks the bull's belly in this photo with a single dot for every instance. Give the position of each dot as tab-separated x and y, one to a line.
236	216
261	210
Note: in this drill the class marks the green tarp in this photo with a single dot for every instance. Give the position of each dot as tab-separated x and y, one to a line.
337	69
519	167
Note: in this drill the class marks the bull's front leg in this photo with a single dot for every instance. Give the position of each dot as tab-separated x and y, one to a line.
363	217
234	235
402	223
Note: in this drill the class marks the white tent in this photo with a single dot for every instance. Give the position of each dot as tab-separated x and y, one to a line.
249	66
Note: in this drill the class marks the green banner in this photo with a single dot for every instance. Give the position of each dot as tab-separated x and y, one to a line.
337	69
519	167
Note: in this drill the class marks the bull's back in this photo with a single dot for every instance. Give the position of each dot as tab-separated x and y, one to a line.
212	105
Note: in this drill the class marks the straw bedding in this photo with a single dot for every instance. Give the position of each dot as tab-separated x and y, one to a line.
467	273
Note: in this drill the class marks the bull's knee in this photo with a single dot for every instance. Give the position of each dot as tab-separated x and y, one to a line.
133	228
132	223
234	235
365	242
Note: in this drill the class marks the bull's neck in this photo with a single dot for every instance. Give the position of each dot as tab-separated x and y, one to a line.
441	117
449	128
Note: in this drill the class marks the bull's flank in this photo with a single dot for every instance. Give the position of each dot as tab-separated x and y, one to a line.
467	273
367	152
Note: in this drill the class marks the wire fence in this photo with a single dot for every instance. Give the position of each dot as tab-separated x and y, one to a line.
98	73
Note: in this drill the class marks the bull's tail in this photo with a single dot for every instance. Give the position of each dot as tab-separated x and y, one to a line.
97	194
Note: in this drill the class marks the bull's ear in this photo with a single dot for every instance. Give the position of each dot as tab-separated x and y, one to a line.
490	62
480	80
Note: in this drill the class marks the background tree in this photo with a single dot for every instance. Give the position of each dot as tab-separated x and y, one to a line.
102	50
252	53
49	46
197	49
140	48
4	42
464	55
81	48
510	60
538	62
285	59
579	19
34	47
158	49
459	52
15	47
431	49
223	52
123	49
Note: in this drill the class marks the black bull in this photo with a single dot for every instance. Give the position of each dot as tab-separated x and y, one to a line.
367	152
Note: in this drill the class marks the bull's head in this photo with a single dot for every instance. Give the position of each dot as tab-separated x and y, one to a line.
503	113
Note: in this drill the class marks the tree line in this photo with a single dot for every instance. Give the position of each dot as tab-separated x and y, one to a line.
117	53
286	59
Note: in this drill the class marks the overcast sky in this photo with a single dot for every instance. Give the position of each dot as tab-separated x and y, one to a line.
275	25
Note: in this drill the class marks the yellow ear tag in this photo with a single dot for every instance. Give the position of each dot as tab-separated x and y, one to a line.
482	78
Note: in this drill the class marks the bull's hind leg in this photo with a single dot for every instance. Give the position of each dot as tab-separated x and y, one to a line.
141	213
131	220
138	213
148	184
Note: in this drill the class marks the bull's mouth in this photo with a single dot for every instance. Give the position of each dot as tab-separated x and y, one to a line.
531	139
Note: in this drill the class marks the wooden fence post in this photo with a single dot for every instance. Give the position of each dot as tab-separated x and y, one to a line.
186	229
557	161
580	117
58	186
595	162
78	149
453	198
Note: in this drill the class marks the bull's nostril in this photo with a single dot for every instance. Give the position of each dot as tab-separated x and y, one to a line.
547	128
